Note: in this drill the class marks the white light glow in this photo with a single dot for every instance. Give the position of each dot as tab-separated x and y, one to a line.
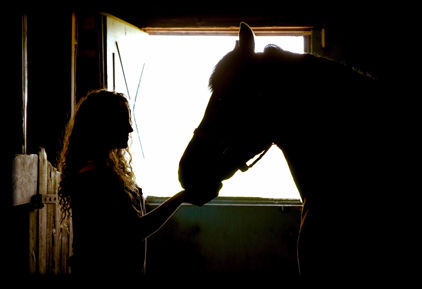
172	99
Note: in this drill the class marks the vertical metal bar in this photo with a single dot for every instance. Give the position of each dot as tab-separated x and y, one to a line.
323	44
24	81
74	43
114	71
103	51
123	69
133	111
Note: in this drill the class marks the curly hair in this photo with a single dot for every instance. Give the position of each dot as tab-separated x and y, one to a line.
95	115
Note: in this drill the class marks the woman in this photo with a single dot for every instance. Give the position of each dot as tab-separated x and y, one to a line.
98	190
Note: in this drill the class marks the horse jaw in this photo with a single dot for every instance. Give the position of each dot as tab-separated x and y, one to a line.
196	170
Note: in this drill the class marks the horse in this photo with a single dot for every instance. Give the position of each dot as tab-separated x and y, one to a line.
328	120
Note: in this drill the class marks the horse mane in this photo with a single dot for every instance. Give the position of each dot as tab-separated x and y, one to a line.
273	59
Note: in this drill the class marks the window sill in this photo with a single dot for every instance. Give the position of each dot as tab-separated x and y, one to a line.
236	201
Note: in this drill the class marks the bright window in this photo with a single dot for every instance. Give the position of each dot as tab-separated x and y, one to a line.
165	78
171	99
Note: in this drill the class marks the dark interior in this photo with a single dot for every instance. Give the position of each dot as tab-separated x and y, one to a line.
355	34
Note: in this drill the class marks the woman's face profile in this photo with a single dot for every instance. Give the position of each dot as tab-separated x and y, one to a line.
103	122
122	128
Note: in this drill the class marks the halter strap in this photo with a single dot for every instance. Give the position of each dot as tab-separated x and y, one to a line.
246	167
198	132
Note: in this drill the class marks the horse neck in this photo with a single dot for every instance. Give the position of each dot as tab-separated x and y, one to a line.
279	114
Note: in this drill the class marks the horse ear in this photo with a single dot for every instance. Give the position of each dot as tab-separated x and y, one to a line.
246	39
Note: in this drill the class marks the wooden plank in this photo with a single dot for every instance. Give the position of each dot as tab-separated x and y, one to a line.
24	178
49	238
42	171
56	232
65	247
64	252
69	243
42	214
42	241
50	181
52	227
33	244
49	227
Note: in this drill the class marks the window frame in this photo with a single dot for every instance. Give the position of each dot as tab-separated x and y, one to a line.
305	31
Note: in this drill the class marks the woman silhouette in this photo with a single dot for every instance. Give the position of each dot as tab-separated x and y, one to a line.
99	192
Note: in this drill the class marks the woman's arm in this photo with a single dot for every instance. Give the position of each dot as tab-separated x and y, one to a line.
154	220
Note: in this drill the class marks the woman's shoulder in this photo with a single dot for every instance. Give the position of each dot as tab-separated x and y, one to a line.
93	183
89	167
87	173
92	174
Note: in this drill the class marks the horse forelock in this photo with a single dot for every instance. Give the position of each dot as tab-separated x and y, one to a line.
226	66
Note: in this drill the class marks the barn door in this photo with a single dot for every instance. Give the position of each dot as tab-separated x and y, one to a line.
125	55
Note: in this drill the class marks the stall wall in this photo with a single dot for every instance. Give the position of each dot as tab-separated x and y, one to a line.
222	239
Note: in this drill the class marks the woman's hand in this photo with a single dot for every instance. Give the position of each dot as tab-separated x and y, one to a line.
201	196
